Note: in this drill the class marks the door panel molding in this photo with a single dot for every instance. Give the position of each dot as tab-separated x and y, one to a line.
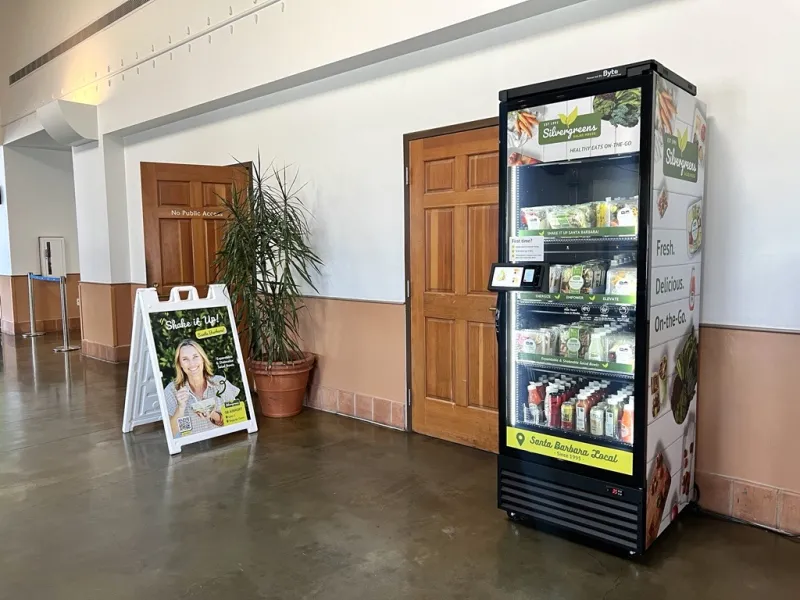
451	230
179	202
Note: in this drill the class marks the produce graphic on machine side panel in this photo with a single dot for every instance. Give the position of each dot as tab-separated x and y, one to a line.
680	142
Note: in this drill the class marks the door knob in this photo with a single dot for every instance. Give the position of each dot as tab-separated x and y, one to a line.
493	308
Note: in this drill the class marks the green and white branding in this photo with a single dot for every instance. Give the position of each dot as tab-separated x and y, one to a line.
680	157
569	127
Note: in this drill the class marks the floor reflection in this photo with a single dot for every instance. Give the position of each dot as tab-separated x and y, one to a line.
317	506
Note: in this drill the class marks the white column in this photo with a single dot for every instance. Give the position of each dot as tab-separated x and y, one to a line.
99	170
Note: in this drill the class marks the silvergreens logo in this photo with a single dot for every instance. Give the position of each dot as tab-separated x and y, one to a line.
569	127
680	157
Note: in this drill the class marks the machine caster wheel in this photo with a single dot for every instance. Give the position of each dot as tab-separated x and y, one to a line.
514	516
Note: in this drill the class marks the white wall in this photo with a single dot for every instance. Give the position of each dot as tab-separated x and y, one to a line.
55	22
40	199
143	67
348	139
5	239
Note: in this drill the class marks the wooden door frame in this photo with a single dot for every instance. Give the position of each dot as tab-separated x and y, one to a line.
407	139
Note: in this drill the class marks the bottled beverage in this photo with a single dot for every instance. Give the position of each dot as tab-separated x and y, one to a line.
550	393
626	424
568	416
597	419
582	414
612	419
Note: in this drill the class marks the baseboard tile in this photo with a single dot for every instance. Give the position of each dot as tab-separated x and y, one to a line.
43	326
109	354
378	411
763	505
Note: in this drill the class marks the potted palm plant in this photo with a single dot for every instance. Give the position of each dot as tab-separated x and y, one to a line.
266	261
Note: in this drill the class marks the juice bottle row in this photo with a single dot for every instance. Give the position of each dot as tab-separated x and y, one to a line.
591	407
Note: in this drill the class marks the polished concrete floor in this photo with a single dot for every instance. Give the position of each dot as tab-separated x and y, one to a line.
318	506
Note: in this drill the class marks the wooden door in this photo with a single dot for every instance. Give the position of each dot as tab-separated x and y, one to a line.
183	217
453	240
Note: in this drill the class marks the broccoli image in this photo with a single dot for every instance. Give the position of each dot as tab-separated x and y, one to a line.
604	104
619	108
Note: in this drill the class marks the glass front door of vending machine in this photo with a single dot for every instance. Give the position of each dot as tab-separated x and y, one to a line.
571	345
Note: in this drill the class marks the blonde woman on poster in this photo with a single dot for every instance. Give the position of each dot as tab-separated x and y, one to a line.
195	396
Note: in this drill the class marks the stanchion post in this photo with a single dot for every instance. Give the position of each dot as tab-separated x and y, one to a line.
64	319
31	311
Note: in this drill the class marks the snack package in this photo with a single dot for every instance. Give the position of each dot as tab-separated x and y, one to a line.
526	341
558	217
603	212
599	270
622	349
538	341
572	279
563	337
583	278
621	281
627	214
554	278
578	339
583	216
542	340
534	218
556	337
617	212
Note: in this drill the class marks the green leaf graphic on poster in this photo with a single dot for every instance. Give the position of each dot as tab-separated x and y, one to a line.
682	139
563	118
572	116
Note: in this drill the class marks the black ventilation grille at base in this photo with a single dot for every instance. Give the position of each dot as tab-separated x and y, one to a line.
609	520
107	19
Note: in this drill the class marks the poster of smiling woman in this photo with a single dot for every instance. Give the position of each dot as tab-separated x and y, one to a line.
199	370
195	361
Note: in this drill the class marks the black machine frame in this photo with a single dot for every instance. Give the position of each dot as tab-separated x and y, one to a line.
597	482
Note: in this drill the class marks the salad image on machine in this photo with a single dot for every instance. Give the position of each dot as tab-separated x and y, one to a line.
602	182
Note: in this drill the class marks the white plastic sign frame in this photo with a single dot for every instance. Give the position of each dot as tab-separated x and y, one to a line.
144	371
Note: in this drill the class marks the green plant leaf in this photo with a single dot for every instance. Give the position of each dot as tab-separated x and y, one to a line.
572	116
266	260
563	118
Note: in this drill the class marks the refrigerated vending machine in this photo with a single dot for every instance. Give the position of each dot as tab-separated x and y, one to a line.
601	234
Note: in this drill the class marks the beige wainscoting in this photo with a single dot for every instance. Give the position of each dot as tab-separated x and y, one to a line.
748	415
14	312
106	320
361	350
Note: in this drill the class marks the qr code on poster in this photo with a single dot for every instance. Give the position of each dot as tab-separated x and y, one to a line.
184	424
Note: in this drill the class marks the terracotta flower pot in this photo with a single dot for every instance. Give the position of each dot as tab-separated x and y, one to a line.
282	386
